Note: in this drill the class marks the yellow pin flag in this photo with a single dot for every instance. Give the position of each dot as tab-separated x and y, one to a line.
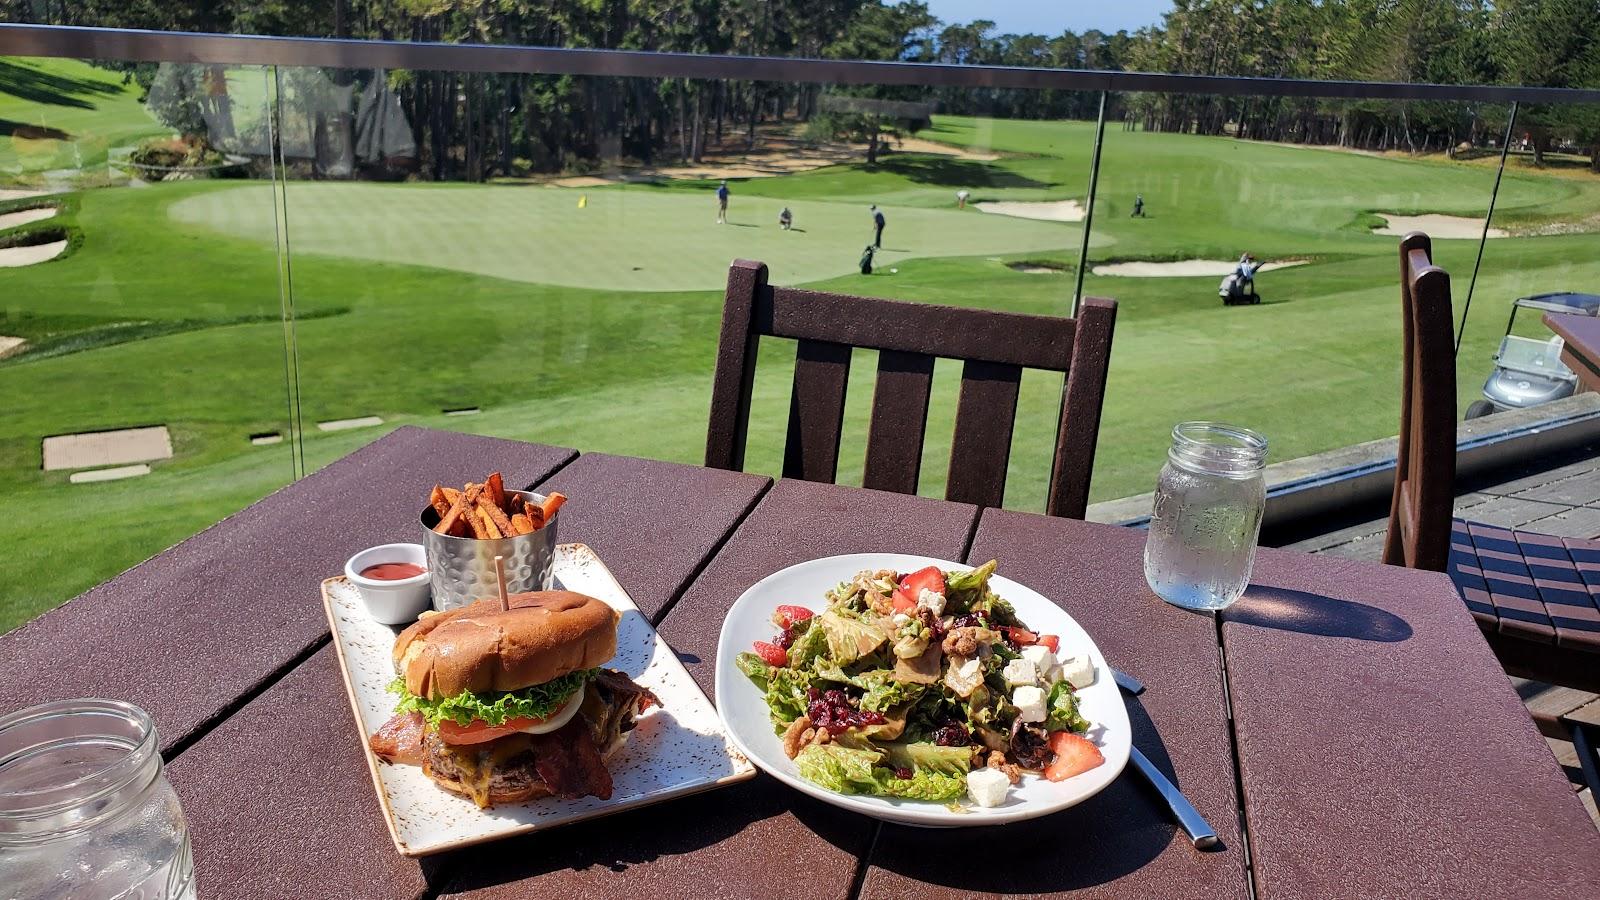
583	200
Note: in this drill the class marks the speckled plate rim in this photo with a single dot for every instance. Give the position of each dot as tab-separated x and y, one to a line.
744	769
745	715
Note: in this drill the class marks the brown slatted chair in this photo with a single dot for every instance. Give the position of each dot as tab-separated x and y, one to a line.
1535	597
995	347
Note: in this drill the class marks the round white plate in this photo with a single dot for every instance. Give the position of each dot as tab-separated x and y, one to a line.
743	707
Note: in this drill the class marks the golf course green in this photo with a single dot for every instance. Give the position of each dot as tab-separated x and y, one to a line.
594	326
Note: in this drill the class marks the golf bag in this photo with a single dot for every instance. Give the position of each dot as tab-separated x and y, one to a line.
1236	289
866	260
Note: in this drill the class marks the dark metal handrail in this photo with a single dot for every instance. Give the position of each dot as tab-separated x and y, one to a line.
231	49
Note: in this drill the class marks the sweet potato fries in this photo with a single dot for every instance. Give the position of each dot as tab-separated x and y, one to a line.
486	511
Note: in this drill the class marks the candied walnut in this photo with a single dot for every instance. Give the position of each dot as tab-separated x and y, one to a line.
997	761
962	641
797	736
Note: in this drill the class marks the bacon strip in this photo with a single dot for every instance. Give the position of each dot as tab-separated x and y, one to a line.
568	761
399	740
624	687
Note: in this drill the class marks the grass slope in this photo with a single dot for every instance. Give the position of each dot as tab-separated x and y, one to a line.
65	114
413	299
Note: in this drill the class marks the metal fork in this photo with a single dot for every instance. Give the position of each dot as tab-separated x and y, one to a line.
1199	830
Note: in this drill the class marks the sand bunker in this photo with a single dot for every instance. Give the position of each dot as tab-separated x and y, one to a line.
92	449
919	145
116	474
12	257
10	346
1186	268
23	217
1048	210
347	424
1437	226
17	194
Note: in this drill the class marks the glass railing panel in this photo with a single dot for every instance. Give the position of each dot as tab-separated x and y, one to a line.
1544	239
544	257
1317	193
143	351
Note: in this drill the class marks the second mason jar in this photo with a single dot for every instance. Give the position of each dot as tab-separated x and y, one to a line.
1207	516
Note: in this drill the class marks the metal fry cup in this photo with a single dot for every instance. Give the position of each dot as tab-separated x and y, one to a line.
461	570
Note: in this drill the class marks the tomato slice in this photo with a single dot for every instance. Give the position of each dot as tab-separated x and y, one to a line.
912	586
480	731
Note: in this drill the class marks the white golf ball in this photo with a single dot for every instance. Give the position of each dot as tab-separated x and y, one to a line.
894	271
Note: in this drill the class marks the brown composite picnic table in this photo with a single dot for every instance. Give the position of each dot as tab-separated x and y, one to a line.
1344	726
1581	352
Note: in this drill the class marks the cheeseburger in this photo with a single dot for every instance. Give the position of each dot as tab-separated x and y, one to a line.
505	705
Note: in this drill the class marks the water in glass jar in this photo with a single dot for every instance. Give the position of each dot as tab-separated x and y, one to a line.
1202	540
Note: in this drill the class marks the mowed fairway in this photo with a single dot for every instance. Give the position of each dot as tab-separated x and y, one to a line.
636	238
596	327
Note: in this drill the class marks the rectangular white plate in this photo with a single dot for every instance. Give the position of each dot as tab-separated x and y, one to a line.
678	748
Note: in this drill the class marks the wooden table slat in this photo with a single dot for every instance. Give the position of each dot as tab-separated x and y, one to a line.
1382	751
1122	842
245	589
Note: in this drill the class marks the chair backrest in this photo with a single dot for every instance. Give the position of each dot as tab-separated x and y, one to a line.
995	347
1425	467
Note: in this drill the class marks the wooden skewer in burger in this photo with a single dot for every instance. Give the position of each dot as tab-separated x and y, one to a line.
504	700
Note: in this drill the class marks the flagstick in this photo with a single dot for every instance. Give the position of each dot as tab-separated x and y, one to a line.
500	581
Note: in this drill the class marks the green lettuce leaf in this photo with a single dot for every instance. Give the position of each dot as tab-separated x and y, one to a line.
754	668
786	695
837	768
963	589
849	639
538	702
922	785
807	647
927	757
1062	710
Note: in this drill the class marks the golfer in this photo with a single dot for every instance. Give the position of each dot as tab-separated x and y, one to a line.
722	203
786	219
1138	206
961	198
877	223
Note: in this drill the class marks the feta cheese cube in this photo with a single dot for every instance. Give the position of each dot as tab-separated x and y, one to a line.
1019	672
1079	670
987	787
1029	702
900	619
933	601
1044	662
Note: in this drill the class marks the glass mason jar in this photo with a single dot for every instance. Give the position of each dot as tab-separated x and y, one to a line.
85	811
1207	515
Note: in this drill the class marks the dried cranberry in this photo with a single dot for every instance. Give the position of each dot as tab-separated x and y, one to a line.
903	773
836	712
786	638
975	619
952	734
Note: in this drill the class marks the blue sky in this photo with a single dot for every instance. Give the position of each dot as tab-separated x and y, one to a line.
1050	17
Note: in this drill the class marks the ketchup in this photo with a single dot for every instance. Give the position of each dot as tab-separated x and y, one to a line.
392	571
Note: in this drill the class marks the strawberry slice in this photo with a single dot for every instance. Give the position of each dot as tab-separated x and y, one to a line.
1074	756
912	586
771	654
1051	642
1022	637
786	616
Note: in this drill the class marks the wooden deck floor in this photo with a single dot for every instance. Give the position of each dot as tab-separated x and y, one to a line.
1553	496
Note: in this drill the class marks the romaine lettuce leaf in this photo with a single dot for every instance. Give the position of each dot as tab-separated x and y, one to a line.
849	639
962	589
1062	710
754	667
786	695
843	769
537	702
923	756
807	647
922	785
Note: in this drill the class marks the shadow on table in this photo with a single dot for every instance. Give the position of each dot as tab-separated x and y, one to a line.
1107	837
1290	610
731	832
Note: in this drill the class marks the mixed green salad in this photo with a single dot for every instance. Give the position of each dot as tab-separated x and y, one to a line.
922	685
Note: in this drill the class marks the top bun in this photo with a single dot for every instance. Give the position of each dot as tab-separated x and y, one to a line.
480	648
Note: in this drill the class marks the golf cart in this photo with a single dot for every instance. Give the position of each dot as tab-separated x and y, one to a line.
1239	287
1528	372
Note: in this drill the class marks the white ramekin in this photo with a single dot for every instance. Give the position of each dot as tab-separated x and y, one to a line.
391	602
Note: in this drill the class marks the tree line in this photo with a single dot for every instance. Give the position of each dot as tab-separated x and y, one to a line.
480	125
